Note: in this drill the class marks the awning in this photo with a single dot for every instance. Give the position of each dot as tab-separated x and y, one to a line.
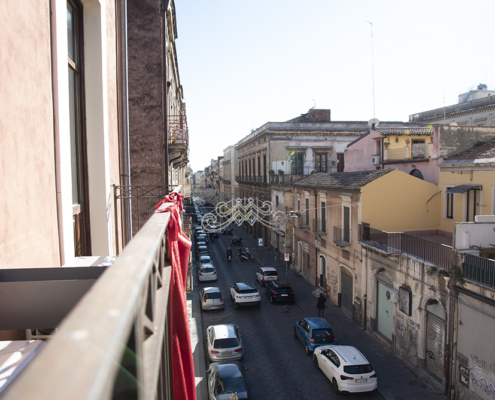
463	188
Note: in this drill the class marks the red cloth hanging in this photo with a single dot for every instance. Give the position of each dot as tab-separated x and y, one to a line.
179	247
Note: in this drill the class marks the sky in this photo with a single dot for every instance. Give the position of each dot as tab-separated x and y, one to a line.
245	63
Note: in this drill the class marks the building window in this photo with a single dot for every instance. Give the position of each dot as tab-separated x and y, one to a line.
276	200
307	211
449	205
298	206
417	174
323	216
321	162
79	170
259	166
473	201
346	224
297	164
340	162
418	148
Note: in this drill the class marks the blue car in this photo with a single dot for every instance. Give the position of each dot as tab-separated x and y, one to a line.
314	332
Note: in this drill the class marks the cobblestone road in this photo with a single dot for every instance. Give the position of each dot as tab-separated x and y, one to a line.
277	366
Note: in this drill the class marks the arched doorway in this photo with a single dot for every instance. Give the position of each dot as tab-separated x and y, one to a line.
323	272
417	173
435	337
346	290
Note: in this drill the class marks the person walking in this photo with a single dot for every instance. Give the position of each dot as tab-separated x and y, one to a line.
320	305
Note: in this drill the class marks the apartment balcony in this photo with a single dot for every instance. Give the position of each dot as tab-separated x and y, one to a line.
320	226
435	253
479	269
416	152
341	237
302	222
116	341
178	132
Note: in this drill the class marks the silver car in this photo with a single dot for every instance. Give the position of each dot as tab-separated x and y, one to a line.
207	273
211	298
224	343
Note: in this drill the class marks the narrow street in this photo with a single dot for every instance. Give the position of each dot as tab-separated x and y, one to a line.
278	367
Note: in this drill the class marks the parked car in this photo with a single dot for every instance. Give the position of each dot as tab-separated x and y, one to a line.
245	295
223	380
199	232
265	274
279	291
207	273
224	343
347	368
202	243
202	251
211	298
314	332
203	260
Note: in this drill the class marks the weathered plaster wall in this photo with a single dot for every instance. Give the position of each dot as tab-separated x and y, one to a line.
456	139
28	202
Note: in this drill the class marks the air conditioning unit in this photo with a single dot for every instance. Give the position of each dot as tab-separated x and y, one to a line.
375	160
392	295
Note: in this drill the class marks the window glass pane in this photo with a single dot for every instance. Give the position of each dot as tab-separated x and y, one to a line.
71	29
74	135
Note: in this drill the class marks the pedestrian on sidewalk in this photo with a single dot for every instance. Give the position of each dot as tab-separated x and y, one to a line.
320	305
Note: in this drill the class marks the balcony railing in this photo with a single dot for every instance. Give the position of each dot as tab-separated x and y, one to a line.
479	269
341	237
302	221
178	132
320	226
116	342
398	242
418	151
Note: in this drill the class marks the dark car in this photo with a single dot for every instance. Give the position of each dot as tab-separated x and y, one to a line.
224	380
279	291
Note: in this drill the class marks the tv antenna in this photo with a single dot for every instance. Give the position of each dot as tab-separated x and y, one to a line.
372	67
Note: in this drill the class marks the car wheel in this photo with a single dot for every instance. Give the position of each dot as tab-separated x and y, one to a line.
315	361
307	350
236	305
335	386
272	300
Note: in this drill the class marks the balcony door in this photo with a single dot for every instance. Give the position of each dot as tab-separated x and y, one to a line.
79	170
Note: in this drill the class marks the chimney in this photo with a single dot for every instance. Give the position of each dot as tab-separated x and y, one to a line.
319	115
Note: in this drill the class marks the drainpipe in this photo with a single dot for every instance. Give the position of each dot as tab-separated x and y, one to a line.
164	8
316	238
124	120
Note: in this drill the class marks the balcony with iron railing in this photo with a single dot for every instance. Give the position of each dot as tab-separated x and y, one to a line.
398	242
178	132
270	179
479	269
116	342
418	151
319	226
341	237
302	222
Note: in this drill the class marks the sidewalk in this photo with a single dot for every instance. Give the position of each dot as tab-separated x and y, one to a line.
197	344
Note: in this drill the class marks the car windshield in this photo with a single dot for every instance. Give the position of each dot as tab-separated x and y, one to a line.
323	335
214	295
358	369
231	385
226	343
271	273
282	290
205	261
208	270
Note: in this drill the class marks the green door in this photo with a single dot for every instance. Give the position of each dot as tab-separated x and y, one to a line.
385	312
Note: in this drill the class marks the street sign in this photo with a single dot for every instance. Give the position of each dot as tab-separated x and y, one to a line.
287	257
260	241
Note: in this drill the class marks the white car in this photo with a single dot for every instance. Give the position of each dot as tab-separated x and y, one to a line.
346	367
203	260
243	294
265	274
224	343
207	273
211	298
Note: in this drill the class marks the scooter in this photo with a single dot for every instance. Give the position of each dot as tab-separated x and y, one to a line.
237	242
243	257
229	257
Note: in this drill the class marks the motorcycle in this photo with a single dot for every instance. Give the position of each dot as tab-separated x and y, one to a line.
229	257
228	232
246	257
237	242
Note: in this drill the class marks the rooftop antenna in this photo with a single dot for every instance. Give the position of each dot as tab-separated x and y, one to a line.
372	67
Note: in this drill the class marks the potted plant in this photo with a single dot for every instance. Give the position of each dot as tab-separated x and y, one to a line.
406	134
271	172
281	172
386	144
